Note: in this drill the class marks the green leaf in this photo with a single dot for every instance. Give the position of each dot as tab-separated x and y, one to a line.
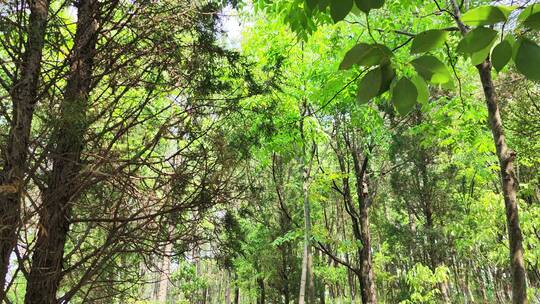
528	11
404	96
388	75
428	40
530	16
486	15
312	4
339	9
528	59
364	54
432	69
479	56
533	22
476	40
367	5
507	9
369	86
355	10
501	55
421	88
375	83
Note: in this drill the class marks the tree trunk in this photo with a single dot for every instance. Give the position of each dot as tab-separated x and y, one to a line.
165	272
360	218
46	270
236	290
367	288
481	286
262	292
307	271
306	263
228	287
508	177
24	94
509	187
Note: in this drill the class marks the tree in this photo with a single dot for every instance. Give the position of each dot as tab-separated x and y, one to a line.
22	86
115	129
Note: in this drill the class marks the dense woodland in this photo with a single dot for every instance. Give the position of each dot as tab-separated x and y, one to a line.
269	151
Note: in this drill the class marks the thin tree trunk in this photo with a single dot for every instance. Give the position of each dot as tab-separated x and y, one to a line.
469	293
360	218
307	248
508	178
311	290
367	282
165	272
236	290
481	285
509	186
24	94
262	291
228	287
306	258
46	271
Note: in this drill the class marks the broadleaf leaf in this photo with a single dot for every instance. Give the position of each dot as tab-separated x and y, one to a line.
528	59
501	55
486	15
364	54
404	96
369	86
367	5
432	69
339	9
428	40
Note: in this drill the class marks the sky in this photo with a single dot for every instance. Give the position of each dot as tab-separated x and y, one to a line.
232	26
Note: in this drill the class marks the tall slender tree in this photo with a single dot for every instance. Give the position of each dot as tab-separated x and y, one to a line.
508	176
46	270
24	97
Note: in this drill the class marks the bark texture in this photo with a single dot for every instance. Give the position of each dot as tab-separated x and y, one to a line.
509	187
508	178
359	214
24	98
367	282
46	271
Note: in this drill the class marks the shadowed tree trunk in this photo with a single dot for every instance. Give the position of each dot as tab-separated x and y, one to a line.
261	297
360	218
23	94
508	178
368	291
165	272
236	290
228	287
46	271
